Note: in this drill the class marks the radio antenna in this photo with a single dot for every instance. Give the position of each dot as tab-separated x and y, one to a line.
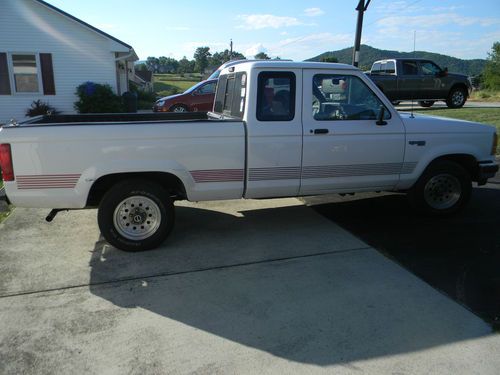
414	56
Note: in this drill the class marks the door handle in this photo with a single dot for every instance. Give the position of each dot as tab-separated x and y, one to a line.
319	131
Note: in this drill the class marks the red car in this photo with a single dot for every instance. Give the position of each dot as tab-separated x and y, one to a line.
199	98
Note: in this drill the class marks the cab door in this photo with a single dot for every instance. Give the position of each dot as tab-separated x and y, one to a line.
343	147
409	80
432	81
274	133
203	98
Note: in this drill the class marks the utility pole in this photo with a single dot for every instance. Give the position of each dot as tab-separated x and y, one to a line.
361	8
231	50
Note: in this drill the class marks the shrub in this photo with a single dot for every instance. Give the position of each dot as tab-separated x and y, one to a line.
39	108
97	98
145	100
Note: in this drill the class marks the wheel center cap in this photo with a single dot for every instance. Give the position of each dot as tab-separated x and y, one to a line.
138	216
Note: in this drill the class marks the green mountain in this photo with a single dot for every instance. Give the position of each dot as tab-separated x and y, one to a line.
370	54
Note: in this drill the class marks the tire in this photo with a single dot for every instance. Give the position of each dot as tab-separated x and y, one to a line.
426	103
179	108
456	98
443	189
124	212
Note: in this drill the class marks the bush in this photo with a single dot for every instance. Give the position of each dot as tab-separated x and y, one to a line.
145	100
97	98
39	108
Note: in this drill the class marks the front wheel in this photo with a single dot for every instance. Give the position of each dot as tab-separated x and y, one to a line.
136	215
443	189
178	108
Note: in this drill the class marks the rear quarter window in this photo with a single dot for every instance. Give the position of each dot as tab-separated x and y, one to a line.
230	99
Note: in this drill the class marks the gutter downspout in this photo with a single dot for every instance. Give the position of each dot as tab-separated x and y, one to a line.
121	58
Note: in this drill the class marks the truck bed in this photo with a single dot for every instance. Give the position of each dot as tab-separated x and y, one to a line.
115	118
62	156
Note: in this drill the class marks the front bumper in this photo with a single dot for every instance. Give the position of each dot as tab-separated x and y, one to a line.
485	171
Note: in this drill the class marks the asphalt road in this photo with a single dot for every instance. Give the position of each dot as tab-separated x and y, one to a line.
407	105
459	256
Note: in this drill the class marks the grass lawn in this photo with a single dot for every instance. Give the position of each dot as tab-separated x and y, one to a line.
489	116
3	215
169	84
485	96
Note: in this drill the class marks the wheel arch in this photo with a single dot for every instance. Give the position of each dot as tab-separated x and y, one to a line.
171	182
466	161
460	85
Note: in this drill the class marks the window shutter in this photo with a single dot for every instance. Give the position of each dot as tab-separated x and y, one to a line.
49	87
4	75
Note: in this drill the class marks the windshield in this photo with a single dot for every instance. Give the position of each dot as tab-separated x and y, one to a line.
193	88
215	75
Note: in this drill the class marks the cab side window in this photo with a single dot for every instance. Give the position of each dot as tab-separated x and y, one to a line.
429	68
276	96
410	68
344	97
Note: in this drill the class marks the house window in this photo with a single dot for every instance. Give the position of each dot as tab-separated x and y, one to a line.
25	72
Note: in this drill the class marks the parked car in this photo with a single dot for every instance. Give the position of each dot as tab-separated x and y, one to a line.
421	80
278	129
199	98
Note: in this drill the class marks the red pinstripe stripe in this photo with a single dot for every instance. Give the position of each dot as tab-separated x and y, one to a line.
47	181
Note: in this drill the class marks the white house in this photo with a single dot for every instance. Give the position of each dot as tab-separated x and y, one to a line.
45	53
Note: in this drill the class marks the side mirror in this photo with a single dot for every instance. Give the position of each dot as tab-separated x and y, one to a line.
443	72
381	115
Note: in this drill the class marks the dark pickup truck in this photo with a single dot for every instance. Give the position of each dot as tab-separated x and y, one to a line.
421	80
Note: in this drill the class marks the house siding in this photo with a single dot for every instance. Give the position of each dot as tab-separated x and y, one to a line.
78	54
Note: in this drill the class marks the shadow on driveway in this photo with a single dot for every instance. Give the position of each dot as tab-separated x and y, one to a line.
459	255
323	309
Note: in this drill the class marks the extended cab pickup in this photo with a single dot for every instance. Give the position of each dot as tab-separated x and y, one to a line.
421	80
278	129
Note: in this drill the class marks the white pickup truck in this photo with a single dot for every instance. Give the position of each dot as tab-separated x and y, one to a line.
278	129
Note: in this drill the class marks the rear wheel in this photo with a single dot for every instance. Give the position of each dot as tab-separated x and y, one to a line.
426	103
443	189
136	215
456	98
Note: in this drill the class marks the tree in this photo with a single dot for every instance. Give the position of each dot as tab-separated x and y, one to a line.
491	74
262	56
167	64
329	59
219	58
201	56
141	67
185	66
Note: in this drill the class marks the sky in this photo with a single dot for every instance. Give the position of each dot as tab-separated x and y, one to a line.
292	29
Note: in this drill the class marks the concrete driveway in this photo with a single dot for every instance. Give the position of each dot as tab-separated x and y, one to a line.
240	287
